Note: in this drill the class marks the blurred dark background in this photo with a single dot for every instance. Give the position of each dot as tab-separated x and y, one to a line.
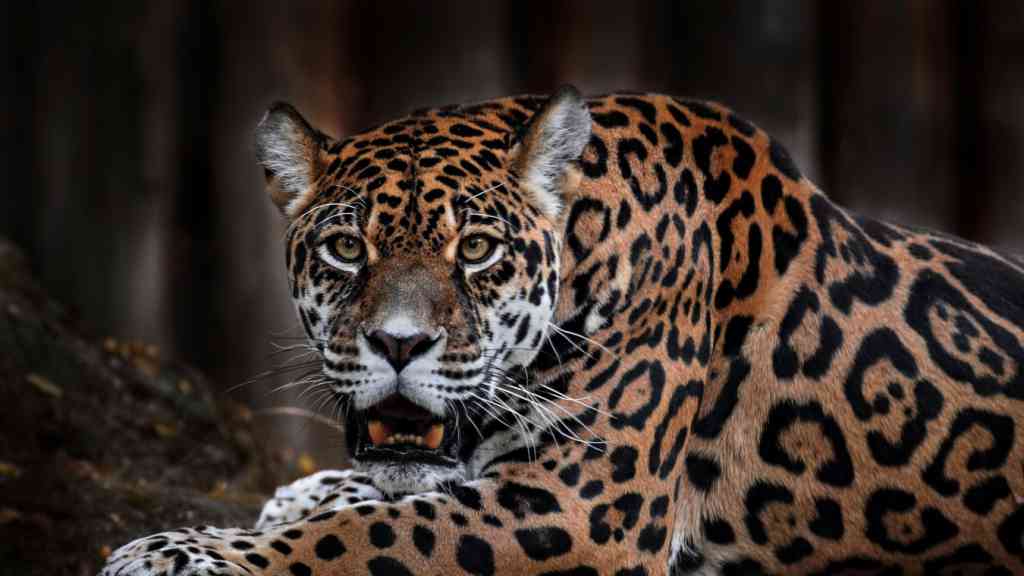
133	188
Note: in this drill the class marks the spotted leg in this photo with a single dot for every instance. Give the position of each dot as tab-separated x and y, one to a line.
524	521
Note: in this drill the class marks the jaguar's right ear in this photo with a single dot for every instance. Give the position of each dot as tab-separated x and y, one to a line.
293	155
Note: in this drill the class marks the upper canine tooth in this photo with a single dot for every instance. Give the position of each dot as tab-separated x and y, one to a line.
432	439
378	431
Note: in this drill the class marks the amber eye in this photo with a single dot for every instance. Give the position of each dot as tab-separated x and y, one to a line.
348	249
476	248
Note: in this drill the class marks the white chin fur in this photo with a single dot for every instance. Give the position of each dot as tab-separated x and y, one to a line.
408	477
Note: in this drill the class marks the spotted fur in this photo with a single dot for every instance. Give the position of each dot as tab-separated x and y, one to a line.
721	371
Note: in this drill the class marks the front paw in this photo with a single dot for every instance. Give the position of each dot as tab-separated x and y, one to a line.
325	490
181	553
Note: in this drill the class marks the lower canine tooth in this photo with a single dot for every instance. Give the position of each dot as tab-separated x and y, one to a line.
432	439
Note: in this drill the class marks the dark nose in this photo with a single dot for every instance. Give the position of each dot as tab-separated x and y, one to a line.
399	351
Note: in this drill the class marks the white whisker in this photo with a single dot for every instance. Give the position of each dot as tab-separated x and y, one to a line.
478	194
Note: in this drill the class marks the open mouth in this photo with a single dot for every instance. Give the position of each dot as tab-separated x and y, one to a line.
398	430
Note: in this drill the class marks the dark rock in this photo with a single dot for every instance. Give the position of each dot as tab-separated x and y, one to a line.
102	441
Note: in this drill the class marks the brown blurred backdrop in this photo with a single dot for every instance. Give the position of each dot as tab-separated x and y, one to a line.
132	184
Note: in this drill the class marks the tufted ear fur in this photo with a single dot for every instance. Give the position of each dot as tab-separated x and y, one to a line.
292	155
554	139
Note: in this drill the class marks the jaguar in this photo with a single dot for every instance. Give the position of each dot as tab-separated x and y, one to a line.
625	335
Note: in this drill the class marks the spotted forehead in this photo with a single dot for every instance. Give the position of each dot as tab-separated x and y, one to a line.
415	181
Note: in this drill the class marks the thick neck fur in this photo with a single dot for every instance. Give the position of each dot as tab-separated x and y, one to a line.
720	242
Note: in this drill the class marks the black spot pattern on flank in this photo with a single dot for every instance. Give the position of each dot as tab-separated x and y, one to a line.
673	150
492	520
788	244
998	369
581	243
424	509
467	496
623	460
423	539
544	543
744	160
645	108
746	286
786	363
743	567
475	556
257	560
655	463
997	427
300	569
659	506
1011	533
859	564
701	109
381	535
570	475
613	119
718	531
715	188
795	551
742	206
329	548
989	278
982	497
837	471
969	558
782	161
523	500
883	346
868	275
760	495
883	502
600	531
577	571
742	126
591	489
702	471
711	425
647	198
387	566
828	523
597	167
631	505
652	538
645	375
771	193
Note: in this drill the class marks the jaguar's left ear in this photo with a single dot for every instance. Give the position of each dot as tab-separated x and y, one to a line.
554	139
